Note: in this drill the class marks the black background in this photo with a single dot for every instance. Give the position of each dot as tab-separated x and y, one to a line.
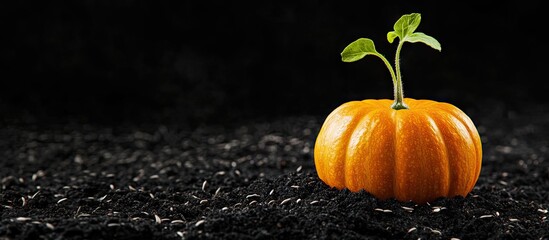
222	61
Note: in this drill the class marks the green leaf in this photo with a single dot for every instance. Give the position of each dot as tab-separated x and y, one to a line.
406	25
358	49
391	36
422	37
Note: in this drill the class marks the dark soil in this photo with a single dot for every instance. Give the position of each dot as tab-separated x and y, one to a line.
251	180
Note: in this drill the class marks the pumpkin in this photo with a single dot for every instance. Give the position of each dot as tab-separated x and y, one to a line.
430	150
407	149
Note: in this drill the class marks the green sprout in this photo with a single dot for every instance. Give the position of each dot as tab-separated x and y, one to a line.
403	29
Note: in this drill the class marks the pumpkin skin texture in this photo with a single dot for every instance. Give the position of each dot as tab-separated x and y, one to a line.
419	154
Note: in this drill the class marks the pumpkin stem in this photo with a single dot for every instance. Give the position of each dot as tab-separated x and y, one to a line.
397	83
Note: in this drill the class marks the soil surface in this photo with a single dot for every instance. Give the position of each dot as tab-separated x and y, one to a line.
252	179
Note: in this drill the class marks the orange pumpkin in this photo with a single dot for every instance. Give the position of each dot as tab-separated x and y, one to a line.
411	150
428	151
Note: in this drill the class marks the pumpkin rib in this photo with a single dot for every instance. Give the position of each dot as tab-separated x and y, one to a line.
449	174
473	137
352	109
350	152
394	116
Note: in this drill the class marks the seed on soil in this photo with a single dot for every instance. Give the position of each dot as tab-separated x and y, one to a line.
295	186
177	221
438	209
224	209
252	202
298	200
383	210
408	209
203	201
204	186
199	223
285	201
157	219
412	229
513	220
34	195
271	192
50	226
111	186
217	192
314	202
252	196
102	198
113	225
22	219
486	216
299	169
151	195
542	210
435	231
24	201
131	188
61	200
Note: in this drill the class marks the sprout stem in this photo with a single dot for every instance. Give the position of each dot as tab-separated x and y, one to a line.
397	82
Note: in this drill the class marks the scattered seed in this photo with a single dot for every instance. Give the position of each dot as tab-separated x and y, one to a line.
24	201
217	192
84	215
436	231
314	202
22	219
151	195
383	210
135	218
199	223
102	198
180	234
110	175
34	195
153	177
438	209
542	210
203	201
408	209
513	220
177	221
252	196
271	192
204	186
237	172
237	204
157	219
195	197
50	226
61	200
455	239
6	206
224	209
77	211
285	201
294	186
412	229
299	169
111	186
252	202
486	216
113	224
497	214
221	173
131	188
271	202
